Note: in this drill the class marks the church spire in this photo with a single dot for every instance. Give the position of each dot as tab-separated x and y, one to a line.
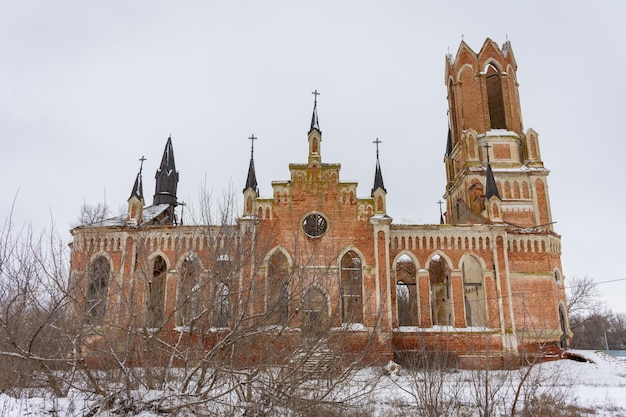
251	179
138	186
315	123
449	142
315	136
135	201
491	188
379	193
378	174
166	177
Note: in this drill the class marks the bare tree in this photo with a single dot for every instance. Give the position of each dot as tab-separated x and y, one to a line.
242	332
32	310
583	297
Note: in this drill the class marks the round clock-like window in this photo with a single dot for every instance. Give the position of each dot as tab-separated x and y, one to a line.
314	225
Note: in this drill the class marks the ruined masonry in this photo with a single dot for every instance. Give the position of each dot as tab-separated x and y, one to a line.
316	261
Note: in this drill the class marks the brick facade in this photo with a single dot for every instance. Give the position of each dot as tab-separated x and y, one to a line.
314	257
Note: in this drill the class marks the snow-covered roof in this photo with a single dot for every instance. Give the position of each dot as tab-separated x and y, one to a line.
149	214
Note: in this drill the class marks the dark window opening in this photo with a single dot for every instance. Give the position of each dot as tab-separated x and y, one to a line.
278	289
495	99
351	288
156	294
99	272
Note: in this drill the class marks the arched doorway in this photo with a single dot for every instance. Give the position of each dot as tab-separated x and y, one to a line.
315	317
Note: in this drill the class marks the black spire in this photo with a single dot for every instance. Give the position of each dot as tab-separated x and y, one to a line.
166	177
378	175
491	188
251	180
137	188
449	142
315	123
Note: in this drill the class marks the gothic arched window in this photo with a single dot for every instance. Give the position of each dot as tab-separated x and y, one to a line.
222	312
278	288
188	301
440	295
453	116
97	287
495	99
473	286
156	293
351	288
406	291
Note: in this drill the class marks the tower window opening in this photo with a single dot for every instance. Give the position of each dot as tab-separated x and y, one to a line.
495	99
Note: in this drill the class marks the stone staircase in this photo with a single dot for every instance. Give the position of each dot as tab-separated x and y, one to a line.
315	359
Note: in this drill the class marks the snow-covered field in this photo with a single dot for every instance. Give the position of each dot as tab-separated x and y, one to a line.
560	388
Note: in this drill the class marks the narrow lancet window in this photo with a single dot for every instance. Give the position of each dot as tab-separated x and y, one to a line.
406	292
278	289
351	288
495	99
99	272
474	293
188	301
156	294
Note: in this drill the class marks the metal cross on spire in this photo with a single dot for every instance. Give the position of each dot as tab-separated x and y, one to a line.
487	146
315	93
143	158
377	142
252	139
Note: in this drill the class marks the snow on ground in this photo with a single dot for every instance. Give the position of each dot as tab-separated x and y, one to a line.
596	384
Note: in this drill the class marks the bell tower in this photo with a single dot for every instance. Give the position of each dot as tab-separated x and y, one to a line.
493	168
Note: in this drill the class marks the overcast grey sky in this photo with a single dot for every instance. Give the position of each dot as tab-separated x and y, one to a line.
87	88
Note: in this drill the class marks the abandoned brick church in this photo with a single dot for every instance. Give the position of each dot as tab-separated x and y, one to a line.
316	260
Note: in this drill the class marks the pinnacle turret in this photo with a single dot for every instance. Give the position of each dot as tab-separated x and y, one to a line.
315	123
251	182
166	177
491	188
137	188
378	174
